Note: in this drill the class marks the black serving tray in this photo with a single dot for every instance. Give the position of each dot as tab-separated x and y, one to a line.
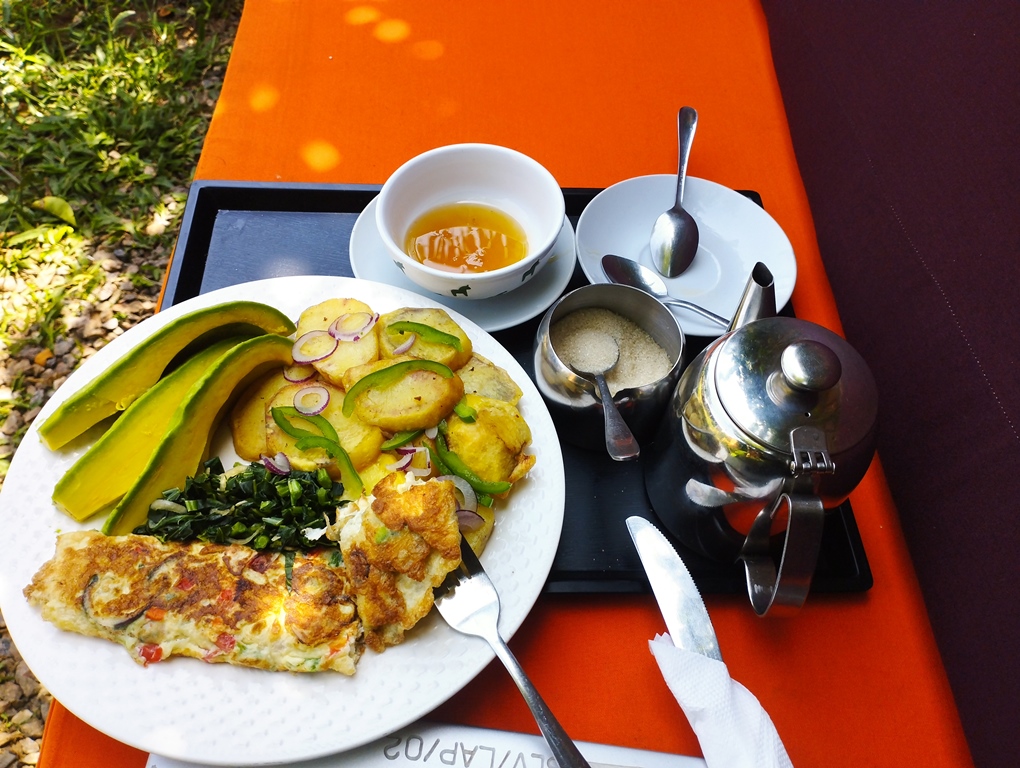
234	232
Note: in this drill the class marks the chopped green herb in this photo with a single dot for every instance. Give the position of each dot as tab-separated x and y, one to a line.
253	507
288	566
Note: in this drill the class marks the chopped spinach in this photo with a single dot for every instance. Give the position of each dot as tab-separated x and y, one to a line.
254	507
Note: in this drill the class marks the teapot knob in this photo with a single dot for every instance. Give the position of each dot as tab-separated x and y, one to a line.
810	366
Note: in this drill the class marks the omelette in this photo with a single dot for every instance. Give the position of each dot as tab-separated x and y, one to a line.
399	544
208	601
231	604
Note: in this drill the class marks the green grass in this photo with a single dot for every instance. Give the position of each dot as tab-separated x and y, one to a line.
103	110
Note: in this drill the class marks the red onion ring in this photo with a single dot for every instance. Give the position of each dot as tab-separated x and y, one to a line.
277	465
431	433
469	497
300	354
407	454
402	463
338	331
427	469
406	345
311	401
469	521
297	374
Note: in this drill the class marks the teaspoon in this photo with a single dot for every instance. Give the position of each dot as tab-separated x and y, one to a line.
674	239
627	272
603	353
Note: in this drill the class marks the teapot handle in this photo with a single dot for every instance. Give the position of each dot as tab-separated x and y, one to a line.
782	591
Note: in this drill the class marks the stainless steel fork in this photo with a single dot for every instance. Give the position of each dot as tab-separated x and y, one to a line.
468	602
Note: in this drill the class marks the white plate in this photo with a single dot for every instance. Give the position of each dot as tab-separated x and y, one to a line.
734	235
226	715
370	261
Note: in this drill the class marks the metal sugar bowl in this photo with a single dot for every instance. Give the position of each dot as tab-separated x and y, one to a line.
574	400
771	424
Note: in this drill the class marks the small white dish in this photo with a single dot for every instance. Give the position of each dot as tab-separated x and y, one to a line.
488	175
370	261
735	233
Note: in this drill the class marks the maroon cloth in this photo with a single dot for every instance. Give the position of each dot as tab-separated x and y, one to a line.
904	118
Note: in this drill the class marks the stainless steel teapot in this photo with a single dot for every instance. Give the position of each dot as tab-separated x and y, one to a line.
772	423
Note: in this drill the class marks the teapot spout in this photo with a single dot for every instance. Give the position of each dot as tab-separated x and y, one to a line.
758	300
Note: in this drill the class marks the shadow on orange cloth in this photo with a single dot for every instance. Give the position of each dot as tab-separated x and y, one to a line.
70	743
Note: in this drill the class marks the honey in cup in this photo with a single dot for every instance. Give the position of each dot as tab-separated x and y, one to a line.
466	237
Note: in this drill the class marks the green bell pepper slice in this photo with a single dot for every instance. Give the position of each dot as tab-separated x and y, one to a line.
457	467
348	474
401	438
425	333
280	414
390	375
437	463
465	412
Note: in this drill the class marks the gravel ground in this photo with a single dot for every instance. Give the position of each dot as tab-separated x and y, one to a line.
25	706
117	304
127	295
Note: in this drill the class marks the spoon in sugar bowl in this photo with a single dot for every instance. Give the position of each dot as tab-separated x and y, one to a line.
602	353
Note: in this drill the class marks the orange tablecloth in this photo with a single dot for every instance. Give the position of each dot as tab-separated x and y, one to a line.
333	91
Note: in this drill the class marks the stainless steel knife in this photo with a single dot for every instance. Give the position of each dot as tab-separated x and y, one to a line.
678	597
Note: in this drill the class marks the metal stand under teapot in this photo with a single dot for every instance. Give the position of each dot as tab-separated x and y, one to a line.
771	423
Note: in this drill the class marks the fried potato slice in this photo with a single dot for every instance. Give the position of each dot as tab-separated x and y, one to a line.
360	440
481	377
493	444
448	355
248	416
418	400
348	353
479	537
376	471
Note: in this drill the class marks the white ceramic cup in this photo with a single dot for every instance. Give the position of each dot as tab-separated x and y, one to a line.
485	174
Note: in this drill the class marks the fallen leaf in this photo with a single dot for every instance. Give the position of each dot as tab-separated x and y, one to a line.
56	206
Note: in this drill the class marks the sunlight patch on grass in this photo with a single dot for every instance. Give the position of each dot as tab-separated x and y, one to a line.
102	116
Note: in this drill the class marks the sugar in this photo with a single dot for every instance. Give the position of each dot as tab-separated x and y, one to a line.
576	340
589	350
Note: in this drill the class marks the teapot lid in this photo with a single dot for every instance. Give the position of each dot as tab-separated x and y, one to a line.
780	373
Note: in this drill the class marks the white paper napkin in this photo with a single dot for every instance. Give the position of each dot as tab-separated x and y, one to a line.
732	728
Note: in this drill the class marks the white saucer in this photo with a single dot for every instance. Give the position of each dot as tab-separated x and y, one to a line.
734	235
370	261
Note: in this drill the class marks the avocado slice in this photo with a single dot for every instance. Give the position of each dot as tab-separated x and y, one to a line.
117	459
131	375
183	447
